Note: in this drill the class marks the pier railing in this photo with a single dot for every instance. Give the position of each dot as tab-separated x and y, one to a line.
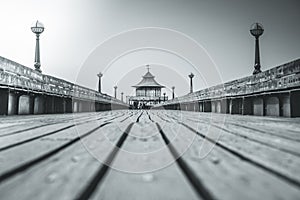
283	77
19	77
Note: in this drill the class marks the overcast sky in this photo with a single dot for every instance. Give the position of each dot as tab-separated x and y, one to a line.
82	37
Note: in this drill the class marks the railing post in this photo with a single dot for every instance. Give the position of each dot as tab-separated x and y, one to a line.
4	98
31	103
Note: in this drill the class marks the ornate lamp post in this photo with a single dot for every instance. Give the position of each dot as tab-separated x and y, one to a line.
115	91
173	92
257	30
191	76
122	93
37	28
99	83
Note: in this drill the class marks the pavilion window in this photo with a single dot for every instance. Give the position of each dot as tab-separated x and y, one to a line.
147	92
152	93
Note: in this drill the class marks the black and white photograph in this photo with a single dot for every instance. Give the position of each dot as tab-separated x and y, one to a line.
149	100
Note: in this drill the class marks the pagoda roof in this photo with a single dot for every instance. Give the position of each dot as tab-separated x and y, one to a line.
148	81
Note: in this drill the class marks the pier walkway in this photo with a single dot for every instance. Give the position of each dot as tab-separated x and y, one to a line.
160	154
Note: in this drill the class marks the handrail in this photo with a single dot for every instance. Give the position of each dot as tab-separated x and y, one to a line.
15	75
282	77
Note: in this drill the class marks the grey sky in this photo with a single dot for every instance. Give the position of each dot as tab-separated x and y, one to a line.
74	28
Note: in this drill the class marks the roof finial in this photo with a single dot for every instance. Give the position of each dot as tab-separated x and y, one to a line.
148	67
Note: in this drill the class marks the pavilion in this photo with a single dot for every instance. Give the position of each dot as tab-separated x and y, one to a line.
148	93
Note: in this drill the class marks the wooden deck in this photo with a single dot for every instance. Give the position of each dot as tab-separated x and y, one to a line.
149	155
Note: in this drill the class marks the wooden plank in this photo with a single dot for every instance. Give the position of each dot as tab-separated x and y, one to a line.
223	172
31	122
283	162
23	153
250	132
281	127
67	171
12	139
145	169
226	175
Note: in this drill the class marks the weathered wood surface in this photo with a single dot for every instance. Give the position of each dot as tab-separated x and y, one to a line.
149	155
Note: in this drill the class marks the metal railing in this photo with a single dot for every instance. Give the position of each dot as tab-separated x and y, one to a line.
16	76
283	77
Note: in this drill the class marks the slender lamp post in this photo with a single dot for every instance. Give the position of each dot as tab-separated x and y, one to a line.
164	96
257	30
37	28
122	93
115	91
191	76
99	83
173	92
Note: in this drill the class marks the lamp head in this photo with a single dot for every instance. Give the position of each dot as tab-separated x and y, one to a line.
37	27
191	75
100	75
256	29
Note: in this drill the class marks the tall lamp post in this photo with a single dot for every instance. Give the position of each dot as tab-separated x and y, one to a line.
37	28
122	94
164	96
257	30
115	91
99	83
173	92
191	76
